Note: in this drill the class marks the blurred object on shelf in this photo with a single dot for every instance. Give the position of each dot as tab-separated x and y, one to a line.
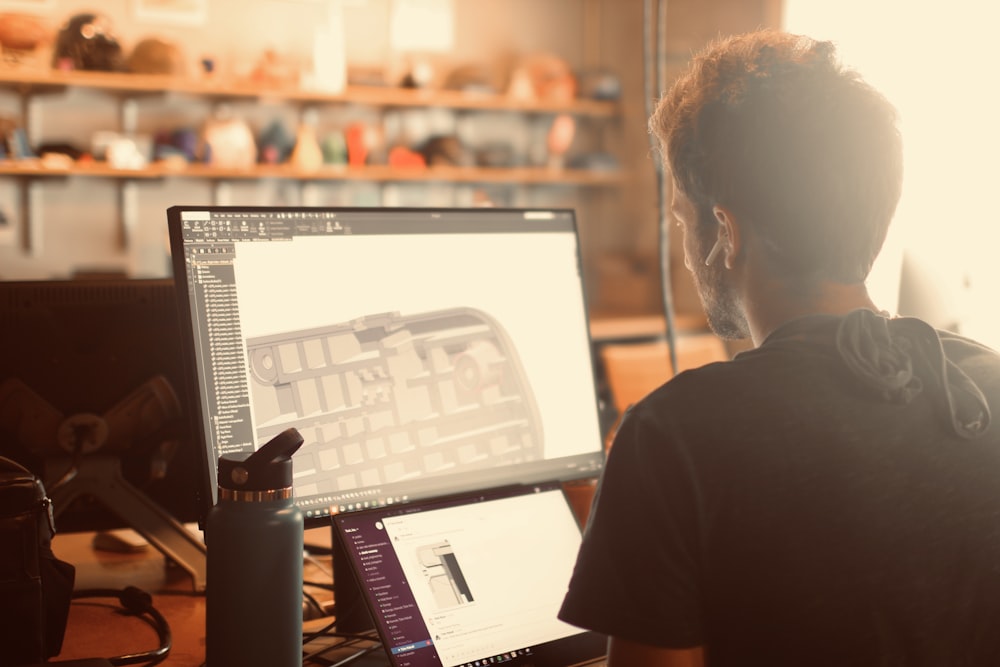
307	155
227	142
559	139
177	144
6	125
600	85
334	148
357	146
172	162
595	161
361	75
129	152
275	143
207	64
61	148
447	150
405	158
87	42
470	79
21	35
56	161
521	87
154	55
365	145
543	77
419	74
122	151
329	57
274	69
15	143
497	154
482	197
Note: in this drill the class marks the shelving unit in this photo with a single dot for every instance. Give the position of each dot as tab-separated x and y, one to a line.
373	173
127	88
29	82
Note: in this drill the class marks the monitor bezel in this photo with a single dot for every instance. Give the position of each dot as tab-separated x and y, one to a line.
190	353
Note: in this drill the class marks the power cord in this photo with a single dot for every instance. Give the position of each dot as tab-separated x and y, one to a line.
136	602
655	83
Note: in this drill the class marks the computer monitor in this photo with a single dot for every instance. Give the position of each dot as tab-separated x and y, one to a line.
79	360
420	352
93	400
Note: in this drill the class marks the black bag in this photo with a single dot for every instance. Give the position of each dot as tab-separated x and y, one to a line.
35	586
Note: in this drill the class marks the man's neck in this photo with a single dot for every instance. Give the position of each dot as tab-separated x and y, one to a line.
774	306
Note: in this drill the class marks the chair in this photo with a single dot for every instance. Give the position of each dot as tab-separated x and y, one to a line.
632	370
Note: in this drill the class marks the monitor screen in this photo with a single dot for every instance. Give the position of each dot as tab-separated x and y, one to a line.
93	396
419	352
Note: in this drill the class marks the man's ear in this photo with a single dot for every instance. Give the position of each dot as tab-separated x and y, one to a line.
729	234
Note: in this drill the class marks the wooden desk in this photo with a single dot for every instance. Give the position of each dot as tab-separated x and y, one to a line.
96	629
607	328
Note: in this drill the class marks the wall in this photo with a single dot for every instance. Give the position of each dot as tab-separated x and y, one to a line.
629	265
950	138
77	222
76	219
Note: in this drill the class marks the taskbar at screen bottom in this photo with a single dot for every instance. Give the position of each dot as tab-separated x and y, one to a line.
576	649
321	507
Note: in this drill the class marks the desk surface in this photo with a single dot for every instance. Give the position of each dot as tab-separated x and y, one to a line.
621	328
96	629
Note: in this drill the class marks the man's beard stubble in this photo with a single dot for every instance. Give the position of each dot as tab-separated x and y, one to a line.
722	309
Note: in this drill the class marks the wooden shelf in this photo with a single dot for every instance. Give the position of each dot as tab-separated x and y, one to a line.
31	81
28	84
34	169
372	173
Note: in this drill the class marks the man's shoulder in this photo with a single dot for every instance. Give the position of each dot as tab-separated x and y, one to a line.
746	369
962	349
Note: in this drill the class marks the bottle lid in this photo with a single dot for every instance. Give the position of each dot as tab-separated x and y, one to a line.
267	469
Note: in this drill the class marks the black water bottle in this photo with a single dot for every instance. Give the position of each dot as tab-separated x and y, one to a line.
254	535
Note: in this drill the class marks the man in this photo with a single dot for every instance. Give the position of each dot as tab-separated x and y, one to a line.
832	496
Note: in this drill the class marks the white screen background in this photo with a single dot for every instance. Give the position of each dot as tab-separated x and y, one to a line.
528	282
517	556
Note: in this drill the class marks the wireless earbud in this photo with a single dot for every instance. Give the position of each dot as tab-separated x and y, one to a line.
714	252
722	217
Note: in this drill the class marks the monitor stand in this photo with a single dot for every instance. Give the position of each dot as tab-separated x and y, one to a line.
101	477
352	611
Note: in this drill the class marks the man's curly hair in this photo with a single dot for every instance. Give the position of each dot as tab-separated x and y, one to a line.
802	150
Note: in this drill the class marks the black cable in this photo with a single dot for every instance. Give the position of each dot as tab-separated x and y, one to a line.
315	603
347	639
306	638
318	550
356	656
654	76
139	603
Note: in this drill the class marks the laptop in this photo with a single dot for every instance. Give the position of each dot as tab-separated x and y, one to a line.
472	579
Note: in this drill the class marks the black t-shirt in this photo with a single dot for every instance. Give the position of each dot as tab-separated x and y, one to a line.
829	498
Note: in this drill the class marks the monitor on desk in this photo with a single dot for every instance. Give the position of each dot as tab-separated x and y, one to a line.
419	352
92	400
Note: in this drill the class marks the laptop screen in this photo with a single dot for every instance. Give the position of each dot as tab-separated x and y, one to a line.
471	580
419	352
